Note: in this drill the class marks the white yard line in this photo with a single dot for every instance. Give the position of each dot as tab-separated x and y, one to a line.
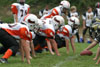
66	60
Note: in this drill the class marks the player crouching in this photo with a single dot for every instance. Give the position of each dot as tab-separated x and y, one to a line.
95	30
67	32
47	31
10	32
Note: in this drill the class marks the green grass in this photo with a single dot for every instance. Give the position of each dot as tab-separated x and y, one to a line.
45	59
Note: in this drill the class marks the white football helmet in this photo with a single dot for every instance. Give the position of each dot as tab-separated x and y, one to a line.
31	21
73	21
41	23
65	4
58	21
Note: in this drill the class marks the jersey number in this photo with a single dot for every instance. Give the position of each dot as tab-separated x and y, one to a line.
22	12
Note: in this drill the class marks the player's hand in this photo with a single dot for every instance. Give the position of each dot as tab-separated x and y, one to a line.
98	61
94	58
52	53
58	54
30	57
28	61
34	56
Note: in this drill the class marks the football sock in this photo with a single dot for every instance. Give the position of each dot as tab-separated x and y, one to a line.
7	54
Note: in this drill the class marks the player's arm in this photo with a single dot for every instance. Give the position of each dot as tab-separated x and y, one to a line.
54	12
94	43
97	54
24	44
25	39
84	20
84	23
98	61
16	18
15	12
50	36
67	45
49	46
22	51
54	44
72	43
32	48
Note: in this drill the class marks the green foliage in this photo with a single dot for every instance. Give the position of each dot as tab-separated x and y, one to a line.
83	4
8	20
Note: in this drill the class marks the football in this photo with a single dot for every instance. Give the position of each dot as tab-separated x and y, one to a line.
86	52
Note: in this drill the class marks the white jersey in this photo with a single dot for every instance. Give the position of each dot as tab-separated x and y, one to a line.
88	18
65	32
20	10
53	12
17	30
97	12
47	29
43	12
70	14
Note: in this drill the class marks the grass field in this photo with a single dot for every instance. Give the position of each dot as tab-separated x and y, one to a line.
45	59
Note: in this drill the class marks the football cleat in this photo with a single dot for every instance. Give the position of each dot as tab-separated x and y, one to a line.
2	60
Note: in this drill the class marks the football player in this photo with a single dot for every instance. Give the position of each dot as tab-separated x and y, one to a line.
87	20
96	35
11	32
67	32
20	10
44	11
97	10
48	29
59	10
73	12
